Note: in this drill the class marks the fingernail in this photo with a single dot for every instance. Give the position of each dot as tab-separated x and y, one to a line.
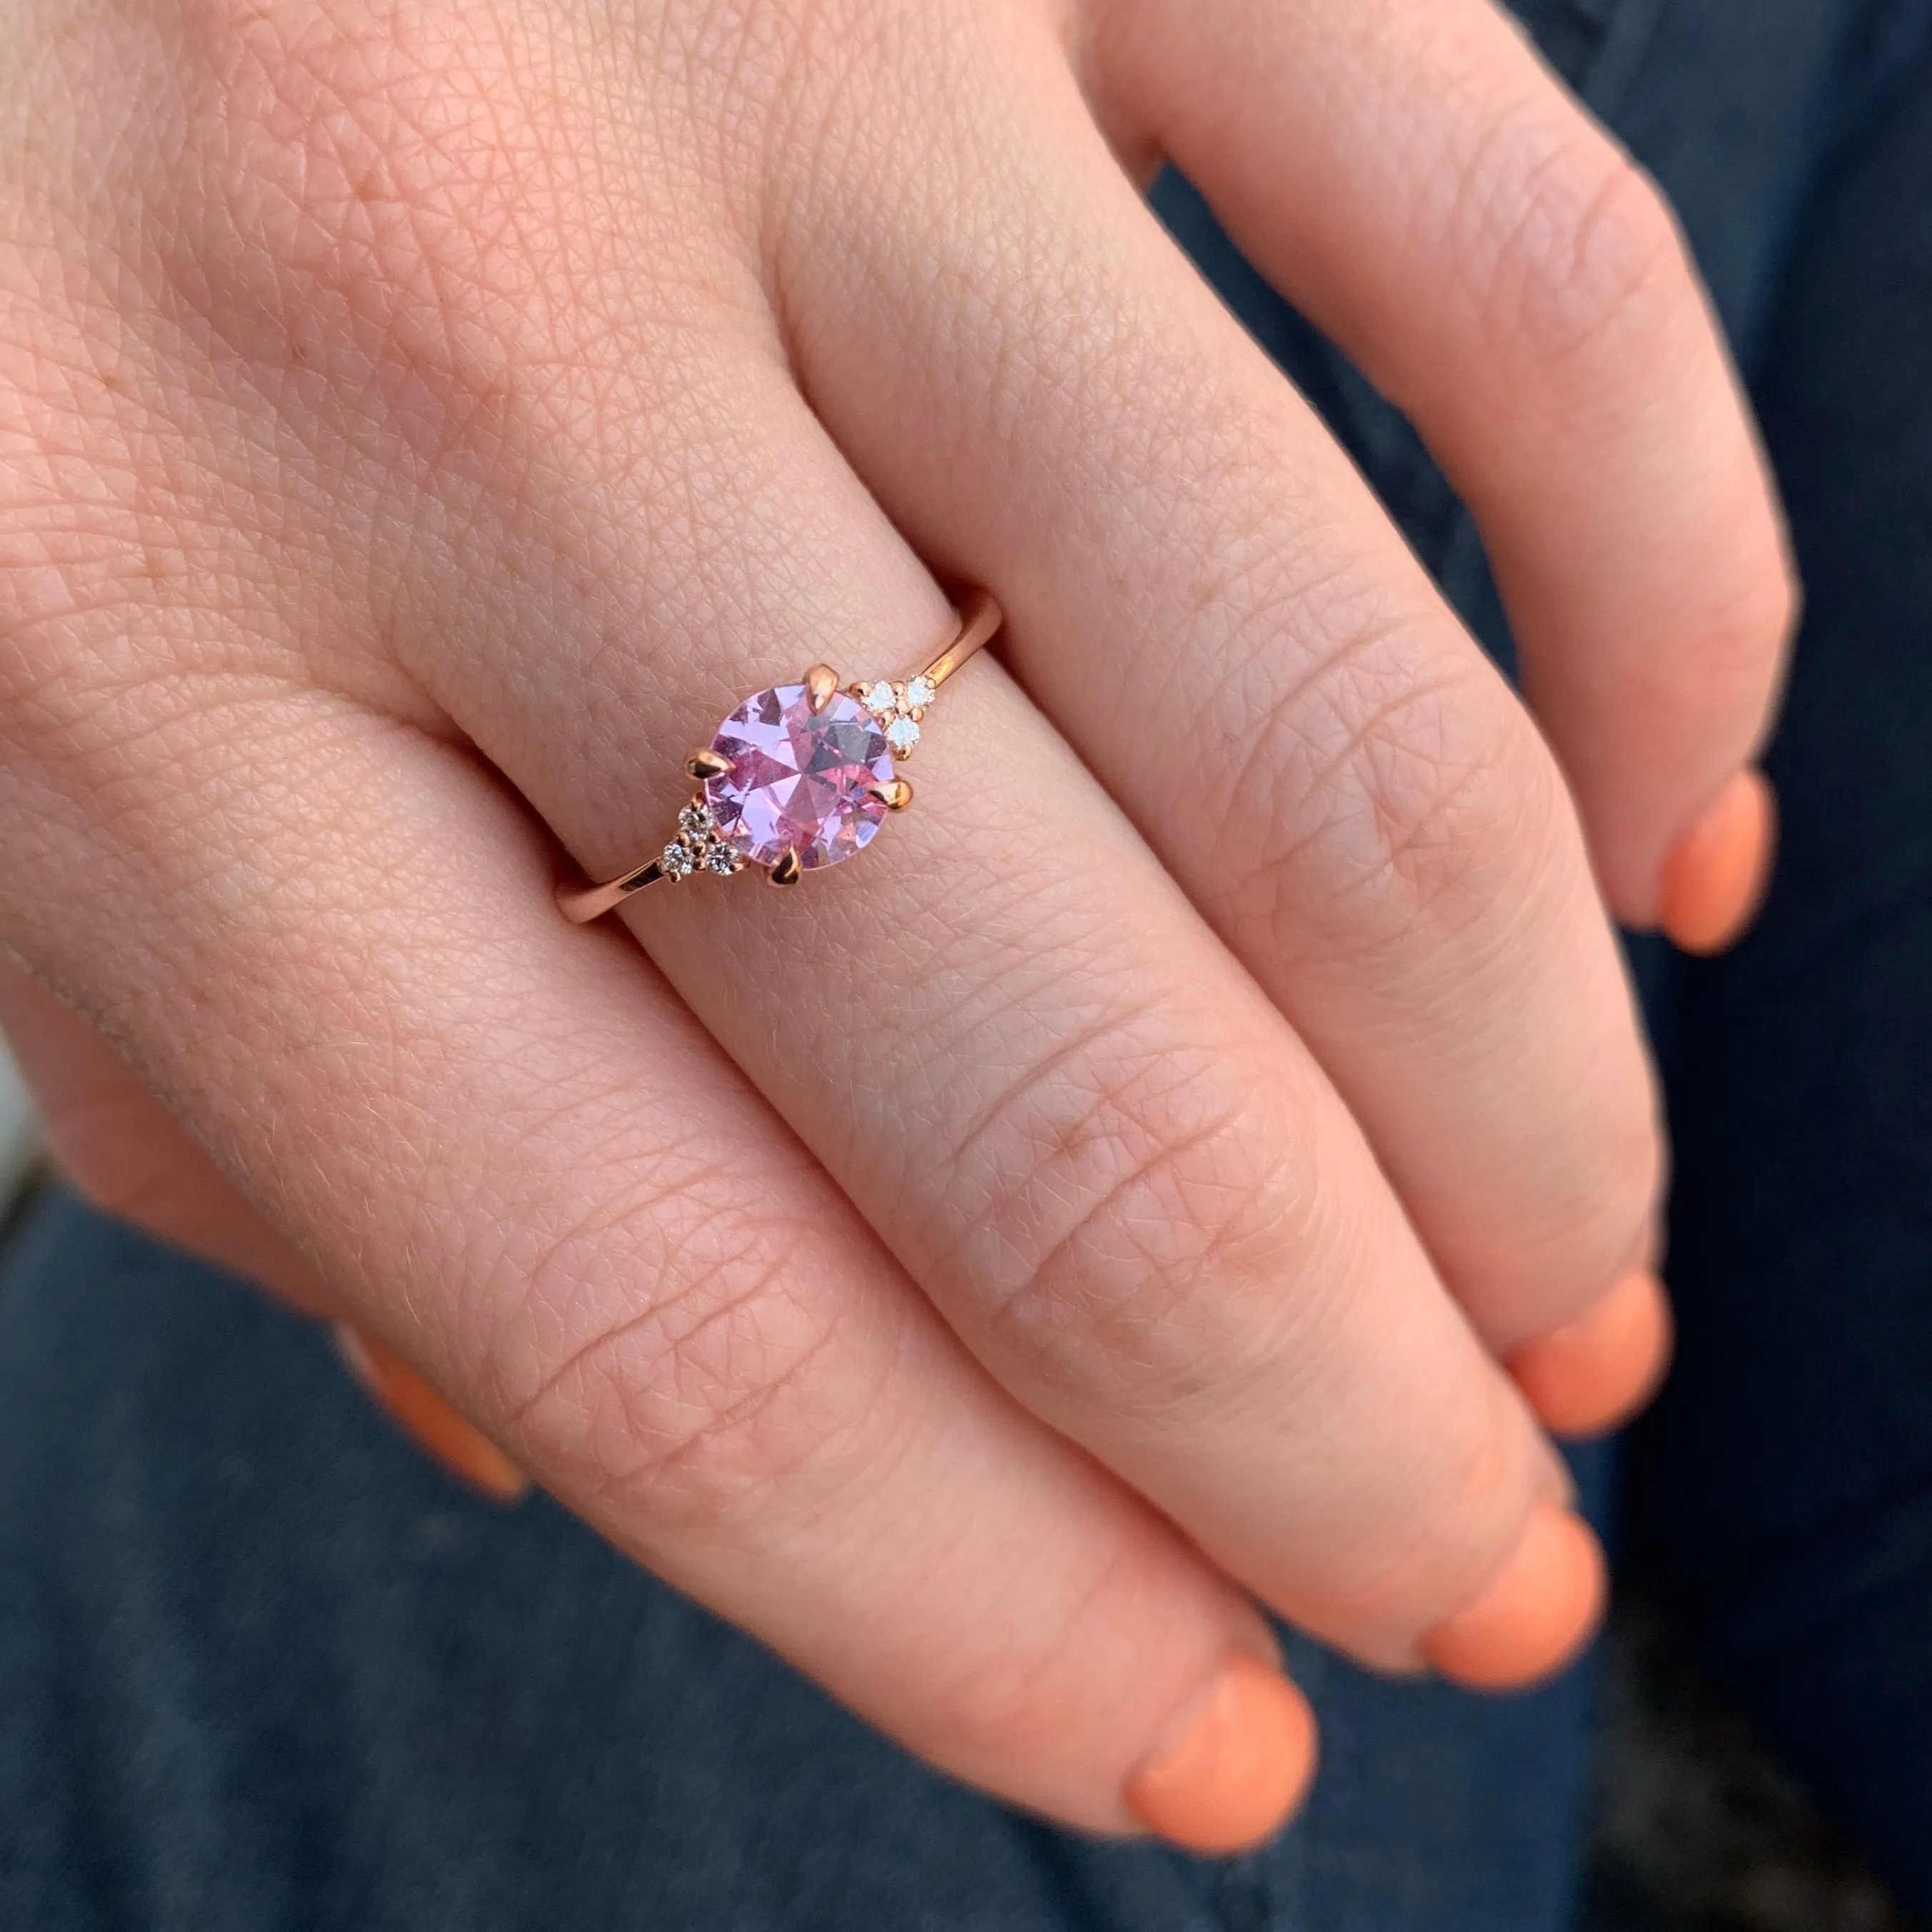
423	1414
1536	1613
1597	1372
1234	1766
1714	877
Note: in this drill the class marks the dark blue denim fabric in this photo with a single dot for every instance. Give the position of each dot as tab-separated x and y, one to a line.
1782	1492
1785	1485
260	1665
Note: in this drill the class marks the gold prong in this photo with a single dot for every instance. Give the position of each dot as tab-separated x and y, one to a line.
706	764
895	794
788	871
821	682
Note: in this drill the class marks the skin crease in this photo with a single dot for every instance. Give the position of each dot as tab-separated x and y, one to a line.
984	1271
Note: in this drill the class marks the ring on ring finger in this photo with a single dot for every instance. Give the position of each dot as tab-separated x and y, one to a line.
799	776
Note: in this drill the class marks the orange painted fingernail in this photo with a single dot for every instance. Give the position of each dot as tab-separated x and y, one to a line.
1236	1765
1599	1370
423	1414
1537	1614
1714	877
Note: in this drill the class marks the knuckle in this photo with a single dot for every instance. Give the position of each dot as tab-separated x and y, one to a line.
1003	1704
1136	1206
693	1405
1398	1569
1732	635
1582	257
353	160
1397	794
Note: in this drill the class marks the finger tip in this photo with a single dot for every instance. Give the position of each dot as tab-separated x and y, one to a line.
1714	877
1594	1374
1236	1767
1536	1614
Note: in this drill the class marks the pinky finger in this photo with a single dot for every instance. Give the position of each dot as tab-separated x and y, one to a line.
122	1149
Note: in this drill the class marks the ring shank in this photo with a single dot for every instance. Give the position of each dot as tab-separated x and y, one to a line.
978	622
581	904
980	618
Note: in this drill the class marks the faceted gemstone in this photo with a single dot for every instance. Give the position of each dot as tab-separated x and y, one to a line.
901	734
798	777
881	699
677	860
919	692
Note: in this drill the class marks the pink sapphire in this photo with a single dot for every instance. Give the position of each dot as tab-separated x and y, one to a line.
798	779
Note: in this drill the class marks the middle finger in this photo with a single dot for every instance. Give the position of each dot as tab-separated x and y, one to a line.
1212	606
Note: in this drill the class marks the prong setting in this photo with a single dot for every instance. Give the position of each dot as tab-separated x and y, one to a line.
810	772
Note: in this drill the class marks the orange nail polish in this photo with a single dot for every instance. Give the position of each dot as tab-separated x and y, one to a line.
1235	1766
1536	1614
1587	1377
1714	877
423	1414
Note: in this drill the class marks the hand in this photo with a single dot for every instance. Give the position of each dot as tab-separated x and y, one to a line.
983	1271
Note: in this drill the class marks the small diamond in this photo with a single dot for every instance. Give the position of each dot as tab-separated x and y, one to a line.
721	860
879	699
919	692
678	861
901	734
695	822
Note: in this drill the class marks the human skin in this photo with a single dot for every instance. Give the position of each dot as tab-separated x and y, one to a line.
988	1270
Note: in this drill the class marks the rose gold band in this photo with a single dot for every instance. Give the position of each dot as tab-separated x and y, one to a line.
979	618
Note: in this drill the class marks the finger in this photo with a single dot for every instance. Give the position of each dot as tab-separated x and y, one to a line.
1557	1569
1415	180
1212	606
128	1155
1715	876
516	1158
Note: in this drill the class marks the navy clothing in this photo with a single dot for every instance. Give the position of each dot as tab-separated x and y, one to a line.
260	1665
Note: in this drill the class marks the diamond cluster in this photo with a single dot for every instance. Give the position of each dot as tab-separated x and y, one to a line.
697	844
898	705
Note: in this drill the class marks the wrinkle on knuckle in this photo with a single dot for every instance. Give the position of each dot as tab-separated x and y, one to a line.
1139	1212
1580	260
1471	1514
1389	794
429	210
1002	1702
1729	636
693	1404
